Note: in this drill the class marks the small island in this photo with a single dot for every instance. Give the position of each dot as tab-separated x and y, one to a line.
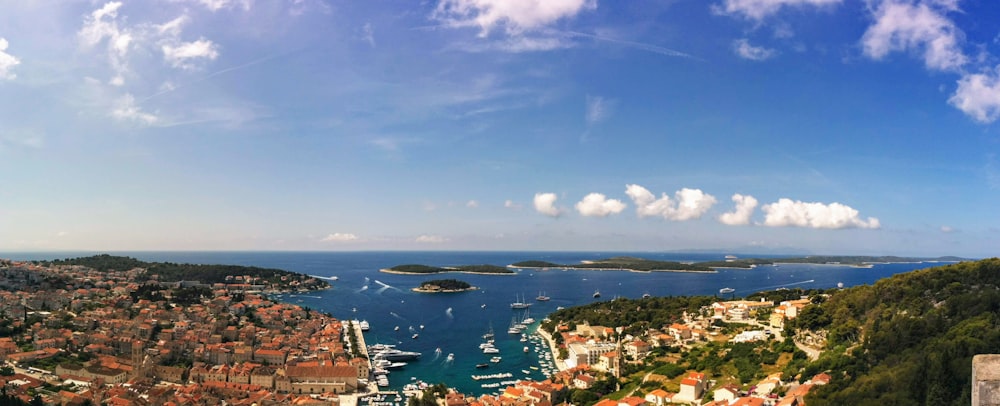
426	269
619	264
444	286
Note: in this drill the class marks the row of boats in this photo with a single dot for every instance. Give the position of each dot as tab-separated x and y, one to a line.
521	303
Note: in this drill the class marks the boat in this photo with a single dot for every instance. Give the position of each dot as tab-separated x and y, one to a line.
450	357
495	360
393	354
646	296
489	333
482	365
364	325
526	349
386	364
491	350
397	328
484	305
726	290
542	298
519	303
597	293
416	336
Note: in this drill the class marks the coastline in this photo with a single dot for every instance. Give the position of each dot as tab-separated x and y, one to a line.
387	270
421	290
610	269
560	364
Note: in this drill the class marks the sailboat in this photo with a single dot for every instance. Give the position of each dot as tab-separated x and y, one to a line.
542	298
489	333
519	303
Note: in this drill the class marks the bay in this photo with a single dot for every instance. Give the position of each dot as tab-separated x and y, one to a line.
455	322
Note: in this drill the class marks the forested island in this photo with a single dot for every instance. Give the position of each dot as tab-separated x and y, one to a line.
444	286
848	260
427	269
619	263
206	274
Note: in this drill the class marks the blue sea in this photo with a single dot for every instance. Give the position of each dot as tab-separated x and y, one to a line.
455	322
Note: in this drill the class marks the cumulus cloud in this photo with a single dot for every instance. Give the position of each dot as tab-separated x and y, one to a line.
545	203
184	55
431	239
126	109
744	50
786	212
514	16
902	25
978	95
597	205
340	237
745	205
7	61
760	9
688	204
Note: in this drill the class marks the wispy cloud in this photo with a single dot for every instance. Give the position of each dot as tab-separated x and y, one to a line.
431	239
598	109
761	9
904	25
510	204
7	61
126	109
656	49
513	16
185	55
744	50
368	34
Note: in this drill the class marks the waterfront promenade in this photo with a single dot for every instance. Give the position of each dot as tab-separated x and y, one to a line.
560	364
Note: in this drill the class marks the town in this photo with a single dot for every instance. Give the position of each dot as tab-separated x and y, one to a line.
73	335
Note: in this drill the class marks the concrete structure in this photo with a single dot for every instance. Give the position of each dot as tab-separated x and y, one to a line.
986	380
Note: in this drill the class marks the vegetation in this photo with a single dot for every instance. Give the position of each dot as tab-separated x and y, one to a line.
908	339
622	263
819	259
426	269
445	285
636	315
171	272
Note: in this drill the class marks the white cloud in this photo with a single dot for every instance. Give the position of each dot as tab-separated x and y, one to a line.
216	5
125	109
173	27
902	25
514	16
184	54
7	61
744	50
431	239
947	229
471	204
745	205
545	203
598	109
786	212
340	237
510	204
101	25
760	9
368	34
597	205
978	95
690	203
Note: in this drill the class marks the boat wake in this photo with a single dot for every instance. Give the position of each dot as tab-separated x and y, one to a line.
448	313
329	278
393	314
784	285
363	288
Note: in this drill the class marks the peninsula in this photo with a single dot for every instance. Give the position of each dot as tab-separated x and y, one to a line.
444	286
426	269
619	264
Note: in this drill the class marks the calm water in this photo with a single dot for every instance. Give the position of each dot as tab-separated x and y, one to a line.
454	323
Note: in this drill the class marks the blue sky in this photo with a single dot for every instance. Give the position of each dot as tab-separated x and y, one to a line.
825	126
